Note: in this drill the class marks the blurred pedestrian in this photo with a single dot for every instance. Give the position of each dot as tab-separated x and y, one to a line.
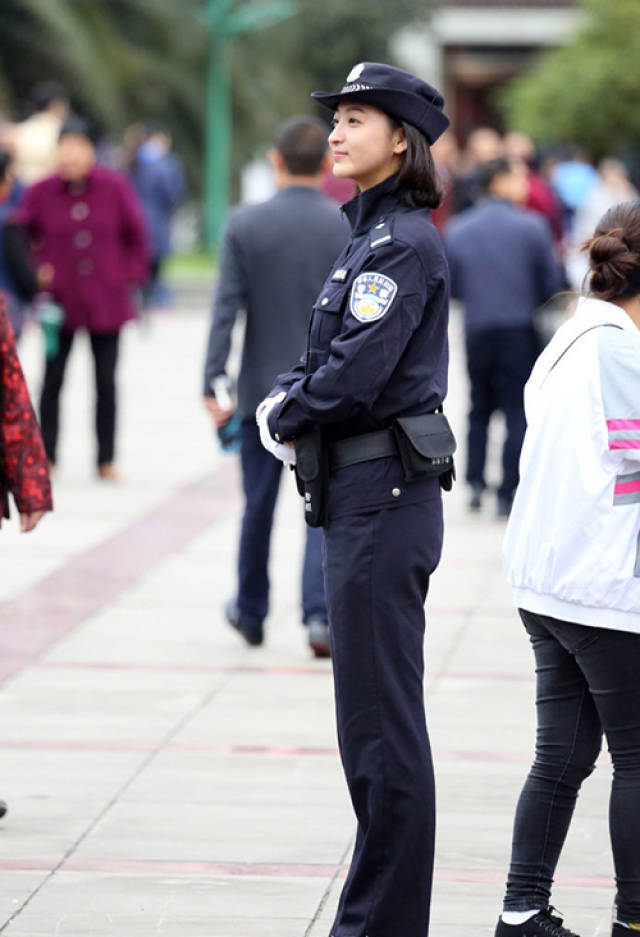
274	259
35	139
361	416
540	195
447	157
483	145
572	557
573	177
23	463
88	242
158	177
502	269
612	187
18	281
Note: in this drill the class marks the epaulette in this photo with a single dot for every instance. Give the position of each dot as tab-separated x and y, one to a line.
381	233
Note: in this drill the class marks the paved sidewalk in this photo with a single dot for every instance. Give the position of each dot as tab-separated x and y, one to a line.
165	779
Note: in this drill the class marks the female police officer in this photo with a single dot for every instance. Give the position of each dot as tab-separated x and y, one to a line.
377	354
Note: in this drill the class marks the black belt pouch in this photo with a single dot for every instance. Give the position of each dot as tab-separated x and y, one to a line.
312	473
426	445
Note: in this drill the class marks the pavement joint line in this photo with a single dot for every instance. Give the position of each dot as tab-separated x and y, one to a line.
35	619
340	872
178	727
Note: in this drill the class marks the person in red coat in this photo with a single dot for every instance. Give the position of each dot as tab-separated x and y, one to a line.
89	245
23	463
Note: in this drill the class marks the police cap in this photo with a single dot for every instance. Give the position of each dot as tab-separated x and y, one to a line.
395	92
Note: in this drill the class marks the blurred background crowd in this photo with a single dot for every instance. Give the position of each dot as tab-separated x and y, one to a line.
173	109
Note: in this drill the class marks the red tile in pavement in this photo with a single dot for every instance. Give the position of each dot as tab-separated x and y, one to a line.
32	621
269	870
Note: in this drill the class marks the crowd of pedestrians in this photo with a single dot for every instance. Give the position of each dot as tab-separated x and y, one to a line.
363	310
84	231
514	222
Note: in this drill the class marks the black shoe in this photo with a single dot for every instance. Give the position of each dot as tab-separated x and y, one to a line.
504	506
475	501
619	930
253	636
542	924
318	631
3	807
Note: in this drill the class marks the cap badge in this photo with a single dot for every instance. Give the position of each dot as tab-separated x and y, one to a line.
355	72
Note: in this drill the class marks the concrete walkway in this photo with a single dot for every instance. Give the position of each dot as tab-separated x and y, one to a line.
165	779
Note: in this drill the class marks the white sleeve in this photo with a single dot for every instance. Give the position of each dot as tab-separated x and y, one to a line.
619	355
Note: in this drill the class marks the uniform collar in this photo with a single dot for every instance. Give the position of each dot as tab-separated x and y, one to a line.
371	206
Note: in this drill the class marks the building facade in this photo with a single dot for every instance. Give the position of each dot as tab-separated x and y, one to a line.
470	48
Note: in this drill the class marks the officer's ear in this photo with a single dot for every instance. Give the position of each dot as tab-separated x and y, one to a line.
399	141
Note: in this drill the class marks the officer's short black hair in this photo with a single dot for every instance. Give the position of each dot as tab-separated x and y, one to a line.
419	184
302	143
487	172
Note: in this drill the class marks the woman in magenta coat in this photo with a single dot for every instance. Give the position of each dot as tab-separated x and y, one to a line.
88	239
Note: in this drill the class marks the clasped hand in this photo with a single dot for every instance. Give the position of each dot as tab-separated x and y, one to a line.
283	451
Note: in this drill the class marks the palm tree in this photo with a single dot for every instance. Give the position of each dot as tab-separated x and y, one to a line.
121	60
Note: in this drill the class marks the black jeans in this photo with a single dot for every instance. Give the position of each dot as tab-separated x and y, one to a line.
588	683
105	357
499	362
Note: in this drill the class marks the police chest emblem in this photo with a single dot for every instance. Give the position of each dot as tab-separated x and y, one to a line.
371	296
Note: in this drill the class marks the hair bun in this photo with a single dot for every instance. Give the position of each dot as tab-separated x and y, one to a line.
612	264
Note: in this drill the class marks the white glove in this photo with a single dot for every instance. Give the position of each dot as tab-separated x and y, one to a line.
286	454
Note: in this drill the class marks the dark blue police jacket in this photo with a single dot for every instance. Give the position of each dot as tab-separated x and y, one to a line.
377	346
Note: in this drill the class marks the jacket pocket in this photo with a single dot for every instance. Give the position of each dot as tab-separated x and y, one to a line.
327	316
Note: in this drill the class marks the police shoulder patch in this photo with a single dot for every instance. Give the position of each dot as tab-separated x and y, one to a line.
371	295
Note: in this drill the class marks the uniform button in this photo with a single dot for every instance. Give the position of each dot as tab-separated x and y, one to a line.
395	492
85	267
325	301
83	239
79	211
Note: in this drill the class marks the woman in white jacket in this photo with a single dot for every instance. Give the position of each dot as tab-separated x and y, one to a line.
572	556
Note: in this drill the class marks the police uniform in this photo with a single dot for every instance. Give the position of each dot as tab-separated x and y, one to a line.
377	350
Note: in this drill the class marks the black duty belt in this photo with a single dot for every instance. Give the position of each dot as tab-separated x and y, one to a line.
363	448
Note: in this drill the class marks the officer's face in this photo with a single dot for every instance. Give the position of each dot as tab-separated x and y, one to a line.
365	145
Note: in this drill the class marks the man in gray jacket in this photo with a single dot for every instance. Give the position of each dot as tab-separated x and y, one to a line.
274	260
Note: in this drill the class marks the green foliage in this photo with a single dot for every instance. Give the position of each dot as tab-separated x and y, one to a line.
124	61
121	60
588	92
275	70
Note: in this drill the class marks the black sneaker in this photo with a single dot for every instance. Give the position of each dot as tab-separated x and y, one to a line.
619	930
253	636
542	924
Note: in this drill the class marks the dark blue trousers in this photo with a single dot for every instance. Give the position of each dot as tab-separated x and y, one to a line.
377	576
261	474
499	362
